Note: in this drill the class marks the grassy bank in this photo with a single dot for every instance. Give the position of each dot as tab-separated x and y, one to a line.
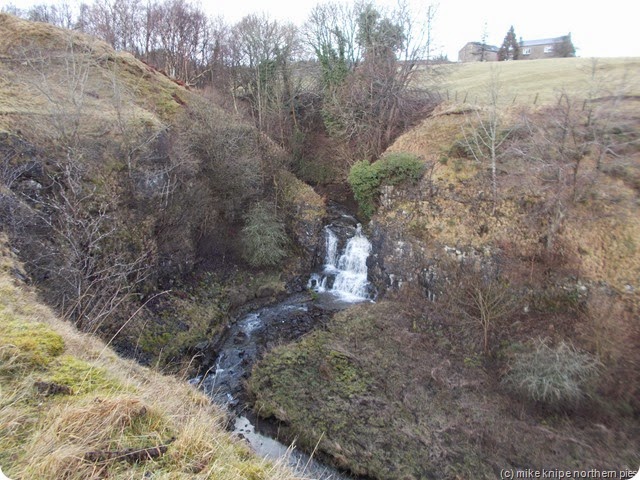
71	408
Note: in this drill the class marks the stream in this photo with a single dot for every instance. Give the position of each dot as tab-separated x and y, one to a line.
339	282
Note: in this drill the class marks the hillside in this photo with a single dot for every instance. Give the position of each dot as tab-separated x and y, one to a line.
539	81
71	408
507	335
126	195
49	72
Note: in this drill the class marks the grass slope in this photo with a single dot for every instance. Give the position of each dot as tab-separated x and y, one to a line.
67	398
47	71
539	81
389	401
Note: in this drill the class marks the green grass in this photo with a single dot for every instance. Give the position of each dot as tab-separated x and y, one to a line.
540	81
109	404
27	345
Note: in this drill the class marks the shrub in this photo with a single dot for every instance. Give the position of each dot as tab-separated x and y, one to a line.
556	376
393	169
365	184
396	168
264	239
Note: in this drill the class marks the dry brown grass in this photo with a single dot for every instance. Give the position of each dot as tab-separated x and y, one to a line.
114	404
600	226
35	82
539	81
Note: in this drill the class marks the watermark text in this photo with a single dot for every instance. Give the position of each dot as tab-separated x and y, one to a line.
510	474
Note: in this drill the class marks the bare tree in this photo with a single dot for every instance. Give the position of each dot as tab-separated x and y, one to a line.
262	53
60	15
486	132
604	122
94	275
371	98
183	39
91	266
484	48
331	32
118	22
61	77
487	302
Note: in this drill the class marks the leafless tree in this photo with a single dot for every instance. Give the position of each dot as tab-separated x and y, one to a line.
486	132
60	15
118	22
368	67
487	302
262	52
604	110
184	40
94	274
90	264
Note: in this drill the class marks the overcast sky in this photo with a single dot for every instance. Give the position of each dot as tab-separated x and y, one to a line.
598	29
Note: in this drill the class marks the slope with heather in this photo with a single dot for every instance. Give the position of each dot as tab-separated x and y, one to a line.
507	336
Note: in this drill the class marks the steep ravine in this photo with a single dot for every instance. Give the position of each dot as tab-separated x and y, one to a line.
340	280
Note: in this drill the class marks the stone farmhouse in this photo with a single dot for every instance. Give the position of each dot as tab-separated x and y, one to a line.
529	50
544	48
477	52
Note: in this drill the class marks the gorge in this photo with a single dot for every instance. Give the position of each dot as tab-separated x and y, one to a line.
342	282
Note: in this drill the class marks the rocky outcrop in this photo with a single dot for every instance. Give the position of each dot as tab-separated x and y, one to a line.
306	212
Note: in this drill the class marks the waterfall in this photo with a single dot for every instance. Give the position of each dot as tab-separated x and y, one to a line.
331	248
346	275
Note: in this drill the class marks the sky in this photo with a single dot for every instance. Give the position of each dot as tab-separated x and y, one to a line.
608	28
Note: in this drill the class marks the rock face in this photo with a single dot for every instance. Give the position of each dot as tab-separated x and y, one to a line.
399	259
305	218
419	237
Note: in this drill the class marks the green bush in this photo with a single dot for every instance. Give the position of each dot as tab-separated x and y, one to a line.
393	169
365	184
264	240
556	376
396	168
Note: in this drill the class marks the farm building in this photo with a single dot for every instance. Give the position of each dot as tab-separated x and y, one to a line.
529	50
478	52
547	48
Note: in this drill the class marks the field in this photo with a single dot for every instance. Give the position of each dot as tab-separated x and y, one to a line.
539	81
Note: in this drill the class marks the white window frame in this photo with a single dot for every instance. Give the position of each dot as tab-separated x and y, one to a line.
548	49
526	51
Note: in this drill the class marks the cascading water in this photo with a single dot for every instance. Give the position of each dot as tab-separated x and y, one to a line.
346	275
344	278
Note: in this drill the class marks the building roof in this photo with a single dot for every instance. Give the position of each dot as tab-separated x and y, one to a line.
488	48
542	41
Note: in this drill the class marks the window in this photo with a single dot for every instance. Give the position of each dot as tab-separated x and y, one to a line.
548	49
526	51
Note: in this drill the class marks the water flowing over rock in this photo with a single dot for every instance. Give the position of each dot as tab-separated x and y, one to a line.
245	342
342	255
345	275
